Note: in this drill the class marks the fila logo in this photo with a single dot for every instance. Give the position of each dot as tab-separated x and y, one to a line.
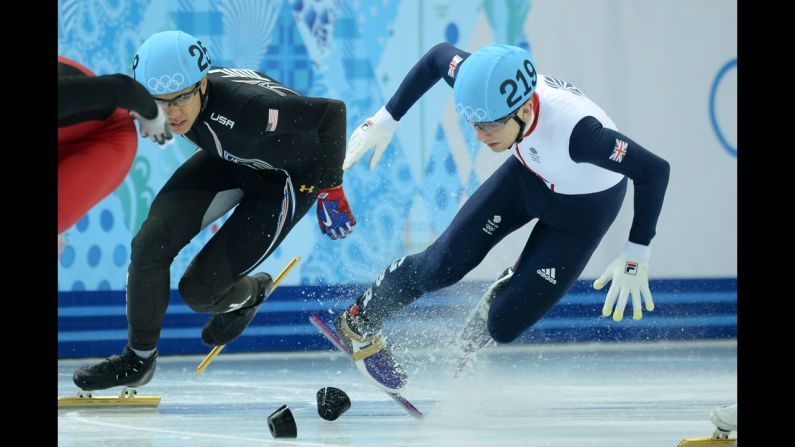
492	225
303	188
366	124
631	268
548	274
222	120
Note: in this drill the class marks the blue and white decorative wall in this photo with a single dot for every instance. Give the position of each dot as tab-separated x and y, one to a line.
664	70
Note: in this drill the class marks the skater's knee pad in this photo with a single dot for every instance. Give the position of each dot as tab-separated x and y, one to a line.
205	283
152	244
196	292
504	323
501	334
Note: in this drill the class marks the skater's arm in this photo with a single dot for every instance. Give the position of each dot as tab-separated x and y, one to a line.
628	273
440	62
82	98
593	143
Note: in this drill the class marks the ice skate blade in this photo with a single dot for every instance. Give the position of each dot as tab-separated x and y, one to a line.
127	398
217	349
334	339
707	442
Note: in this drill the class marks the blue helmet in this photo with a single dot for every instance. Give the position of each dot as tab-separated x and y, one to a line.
494	82
170	61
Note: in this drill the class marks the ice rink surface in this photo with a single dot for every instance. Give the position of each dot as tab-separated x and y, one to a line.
599	394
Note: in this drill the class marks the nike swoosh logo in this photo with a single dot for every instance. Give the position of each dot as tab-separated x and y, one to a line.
327	221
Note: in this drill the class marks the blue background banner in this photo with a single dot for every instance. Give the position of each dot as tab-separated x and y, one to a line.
94	323
359	51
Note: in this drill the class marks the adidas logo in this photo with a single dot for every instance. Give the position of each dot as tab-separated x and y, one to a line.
548	274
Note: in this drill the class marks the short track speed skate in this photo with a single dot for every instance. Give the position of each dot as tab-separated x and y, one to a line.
335	340
127	398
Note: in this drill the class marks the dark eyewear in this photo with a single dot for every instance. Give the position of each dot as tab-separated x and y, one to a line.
491	126
180	100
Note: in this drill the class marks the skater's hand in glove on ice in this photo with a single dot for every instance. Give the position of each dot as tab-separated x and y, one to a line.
630	276
375	132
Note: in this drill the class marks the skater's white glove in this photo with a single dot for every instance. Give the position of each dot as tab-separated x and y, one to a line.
630	276
155	129
375	132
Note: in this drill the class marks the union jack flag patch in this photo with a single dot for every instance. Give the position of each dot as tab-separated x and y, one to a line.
453	65
619	151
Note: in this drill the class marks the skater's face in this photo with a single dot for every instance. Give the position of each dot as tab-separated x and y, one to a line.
500	135
183	107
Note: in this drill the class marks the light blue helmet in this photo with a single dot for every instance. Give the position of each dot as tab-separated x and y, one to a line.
170	61
493	82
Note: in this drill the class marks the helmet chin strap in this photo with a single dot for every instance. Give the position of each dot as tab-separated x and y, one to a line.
204	98
519	136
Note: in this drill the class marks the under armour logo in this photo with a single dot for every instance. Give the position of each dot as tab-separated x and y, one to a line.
304	188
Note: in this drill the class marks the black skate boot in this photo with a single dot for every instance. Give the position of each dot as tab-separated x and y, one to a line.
125	370
475	335
368	348
224	328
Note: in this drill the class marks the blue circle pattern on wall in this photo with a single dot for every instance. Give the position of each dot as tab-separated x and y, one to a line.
451	33
94	255
68	256
730	65
106	220
120	256
82	224
97	257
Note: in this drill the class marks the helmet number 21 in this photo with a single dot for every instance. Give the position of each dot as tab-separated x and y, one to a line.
512	98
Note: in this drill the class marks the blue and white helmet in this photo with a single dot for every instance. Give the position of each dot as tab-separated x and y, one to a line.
493	82
170	61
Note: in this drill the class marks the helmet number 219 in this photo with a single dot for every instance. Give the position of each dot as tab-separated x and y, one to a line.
512	98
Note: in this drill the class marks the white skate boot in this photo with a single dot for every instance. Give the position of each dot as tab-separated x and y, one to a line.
475	335
725	420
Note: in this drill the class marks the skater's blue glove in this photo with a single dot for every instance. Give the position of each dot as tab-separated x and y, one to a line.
630	276
333	213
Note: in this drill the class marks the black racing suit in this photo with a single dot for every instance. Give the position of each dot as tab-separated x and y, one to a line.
262	147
